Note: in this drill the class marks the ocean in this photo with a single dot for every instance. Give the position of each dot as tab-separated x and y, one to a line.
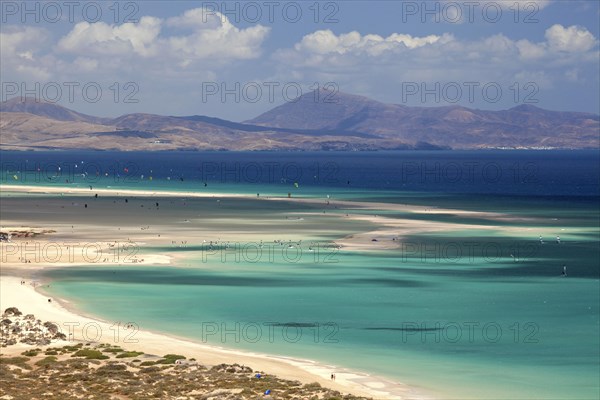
468	313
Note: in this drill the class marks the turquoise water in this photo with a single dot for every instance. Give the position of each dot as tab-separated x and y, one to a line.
451	318
467	313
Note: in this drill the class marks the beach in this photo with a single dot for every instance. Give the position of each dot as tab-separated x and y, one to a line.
67	245
31	301
393	275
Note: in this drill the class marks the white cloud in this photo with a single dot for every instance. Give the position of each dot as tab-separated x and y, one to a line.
325	42
20	47
21	39
559	39
530	51
86	64
212	36
351	48
573	39
198	18
358	60
102	38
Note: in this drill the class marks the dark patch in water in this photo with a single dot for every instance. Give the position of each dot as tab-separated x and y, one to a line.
388	282
384	328
293	324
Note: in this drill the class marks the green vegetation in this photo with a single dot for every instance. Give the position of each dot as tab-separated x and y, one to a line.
129	354
113	350
170	359
46	361
71	349
104	371
90	354
100	376
18	361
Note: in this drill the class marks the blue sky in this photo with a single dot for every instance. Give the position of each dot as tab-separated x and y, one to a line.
235	60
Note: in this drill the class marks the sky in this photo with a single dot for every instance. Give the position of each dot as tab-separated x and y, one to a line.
236	60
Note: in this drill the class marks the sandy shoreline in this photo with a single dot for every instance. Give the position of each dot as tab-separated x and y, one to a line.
79	328
59	311
387	232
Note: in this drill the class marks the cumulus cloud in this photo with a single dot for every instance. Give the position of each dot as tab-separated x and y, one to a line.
24	39
573	39
102	38
559	39
211	36
198	18
529	50
325	46
86	64
325	41
20	47
370	64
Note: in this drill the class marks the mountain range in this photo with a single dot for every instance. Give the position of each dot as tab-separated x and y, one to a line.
349	122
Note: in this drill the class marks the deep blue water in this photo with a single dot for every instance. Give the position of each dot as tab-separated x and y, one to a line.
524	173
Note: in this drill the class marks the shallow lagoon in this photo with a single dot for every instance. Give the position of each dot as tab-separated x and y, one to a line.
495	324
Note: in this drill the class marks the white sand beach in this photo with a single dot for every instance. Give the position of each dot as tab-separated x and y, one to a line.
78	327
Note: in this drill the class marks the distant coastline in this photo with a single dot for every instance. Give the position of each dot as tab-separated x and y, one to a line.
352	123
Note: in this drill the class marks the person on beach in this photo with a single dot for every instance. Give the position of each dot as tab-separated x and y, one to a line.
564	271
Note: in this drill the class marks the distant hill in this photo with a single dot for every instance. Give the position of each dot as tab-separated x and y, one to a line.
453	126
353	123
44	109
